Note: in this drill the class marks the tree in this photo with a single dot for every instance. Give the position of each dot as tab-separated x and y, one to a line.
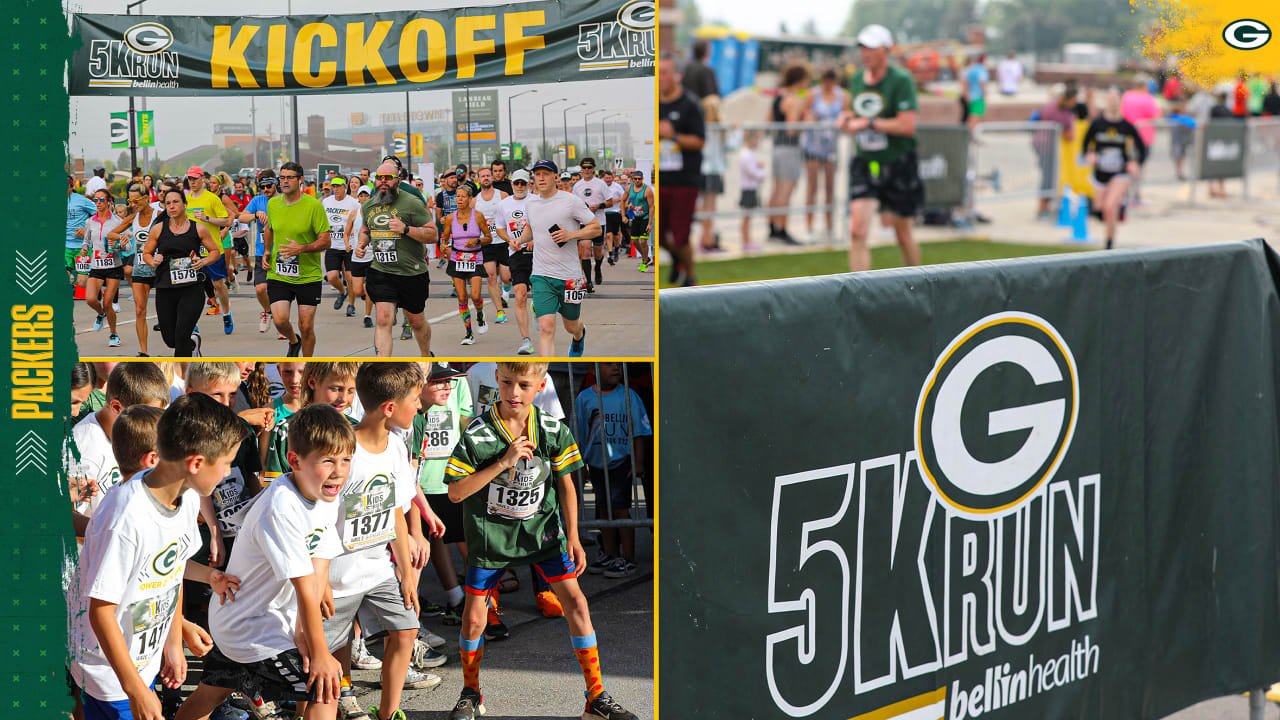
691	19
232	160
122	162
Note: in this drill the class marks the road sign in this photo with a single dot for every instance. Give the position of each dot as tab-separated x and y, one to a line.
617	163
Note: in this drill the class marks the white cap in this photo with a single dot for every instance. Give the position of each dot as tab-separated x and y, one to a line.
520	174
875	36
364	189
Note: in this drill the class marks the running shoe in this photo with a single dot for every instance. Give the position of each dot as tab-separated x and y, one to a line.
368	321
156	327
605	707
496	629
673	277
295	348
644	267
260	709
452	615
481	327
113	341
506	291
502	316
142	354
351	311
442	263
406	332
227	325
195	338
599	276
231	283
337	302
213	309
349	707
613	257
430	638
620	568
591	288
115	307
602	563
97	324
429	610
416	680
469	707
264	321
468	339
361	658
577	346
549	604
226	711
397	715
526	347
425	656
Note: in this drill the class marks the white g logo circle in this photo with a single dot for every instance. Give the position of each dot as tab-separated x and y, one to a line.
1246	34
148	38
637	15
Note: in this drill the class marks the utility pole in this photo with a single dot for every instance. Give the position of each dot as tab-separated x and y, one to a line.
511	127
133	116
293	100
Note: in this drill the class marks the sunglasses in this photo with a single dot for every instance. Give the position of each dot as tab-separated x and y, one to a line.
519	182
266	183
289	177
387	178
100	199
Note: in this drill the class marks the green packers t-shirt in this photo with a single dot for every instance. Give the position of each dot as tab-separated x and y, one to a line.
298	224
515	519
393	252
435	434
895	93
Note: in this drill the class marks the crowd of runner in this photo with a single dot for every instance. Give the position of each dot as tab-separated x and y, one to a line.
309	498
536	236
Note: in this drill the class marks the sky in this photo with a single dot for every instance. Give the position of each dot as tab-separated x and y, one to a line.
183	123
763	16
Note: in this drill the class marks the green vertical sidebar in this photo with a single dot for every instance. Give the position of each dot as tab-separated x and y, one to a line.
37	334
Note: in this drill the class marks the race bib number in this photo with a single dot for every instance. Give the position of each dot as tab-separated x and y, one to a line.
517	493
575	291
337	226
231	503
669	157
385	251
872	140
367	516
150	620
438	440
486	397
83	265
105	261
1111	160
464	262
287	266
181	272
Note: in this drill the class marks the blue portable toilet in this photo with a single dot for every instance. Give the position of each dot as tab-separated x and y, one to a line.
748	61
724	61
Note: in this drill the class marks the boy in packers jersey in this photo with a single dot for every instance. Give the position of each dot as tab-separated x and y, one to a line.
329	383
511	473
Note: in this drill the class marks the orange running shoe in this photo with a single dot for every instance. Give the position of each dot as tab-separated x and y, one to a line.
550	605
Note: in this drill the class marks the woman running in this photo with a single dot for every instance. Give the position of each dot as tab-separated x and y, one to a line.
466	231
173	250
1114	148
106	268
135	229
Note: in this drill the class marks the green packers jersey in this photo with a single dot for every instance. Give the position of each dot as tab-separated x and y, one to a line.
515	519
895	93
277	462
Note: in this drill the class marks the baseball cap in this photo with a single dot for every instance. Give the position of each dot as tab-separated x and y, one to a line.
339	180
195	171
364	189
588	162
875	36
444	371
97	168
565	176
545	165
520	174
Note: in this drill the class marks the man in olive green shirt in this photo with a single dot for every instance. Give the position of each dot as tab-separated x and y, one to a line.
397	229
296	237
885	169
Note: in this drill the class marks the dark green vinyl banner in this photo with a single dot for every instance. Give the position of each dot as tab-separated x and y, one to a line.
1042	488
1222	149
531	42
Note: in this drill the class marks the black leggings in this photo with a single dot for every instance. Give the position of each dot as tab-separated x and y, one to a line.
178	310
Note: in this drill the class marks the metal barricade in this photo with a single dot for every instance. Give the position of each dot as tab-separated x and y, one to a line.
1011	160
1262	147
588	501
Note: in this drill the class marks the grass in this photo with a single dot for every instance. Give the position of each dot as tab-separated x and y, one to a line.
827	262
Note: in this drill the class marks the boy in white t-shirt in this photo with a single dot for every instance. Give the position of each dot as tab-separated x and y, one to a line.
129	595
270	641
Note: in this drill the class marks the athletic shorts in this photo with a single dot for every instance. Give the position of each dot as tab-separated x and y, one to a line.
359	269
548	298
450	513
116	273
259	273
978	107
482	580
127	260
218	270
620	483
240	245
612	222
496	252
143	279
749	199
302	293
521	265
713	183
453	272
385	602
69	256
408	292
640	227
95	709
336	260
598	240
897	185
788	164
276	678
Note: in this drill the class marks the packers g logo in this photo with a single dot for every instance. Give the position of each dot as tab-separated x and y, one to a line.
868	104
166	561
148	38
1246	34
380	221
637	15
313	541
996	414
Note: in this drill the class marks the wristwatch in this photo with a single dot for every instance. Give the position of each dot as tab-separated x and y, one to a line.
871	123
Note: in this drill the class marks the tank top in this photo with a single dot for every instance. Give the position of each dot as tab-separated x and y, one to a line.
462	234
95	235
141	233
781	137
822	143
489	208
175	270
635	200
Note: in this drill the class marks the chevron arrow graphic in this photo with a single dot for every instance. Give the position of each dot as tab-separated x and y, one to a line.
31	274
31	451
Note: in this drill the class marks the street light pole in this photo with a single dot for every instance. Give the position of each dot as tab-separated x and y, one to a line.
511	128
586	129
133	116
566	130
293	101
544	125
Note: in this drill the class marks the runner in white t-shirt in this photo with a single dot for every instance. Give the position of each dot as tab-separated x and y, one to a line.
341	209
613	214
359	266
595	193
496	253
508	224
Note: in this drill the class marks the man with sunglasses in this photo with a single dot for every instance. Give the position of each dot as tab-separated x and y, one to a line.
509	223
255	215
397	229
595	193
208	209
296	237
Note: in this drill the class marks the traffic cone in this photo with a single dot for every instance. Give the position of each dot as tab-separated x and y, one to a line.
1064	209
632	245
79	293
1080	227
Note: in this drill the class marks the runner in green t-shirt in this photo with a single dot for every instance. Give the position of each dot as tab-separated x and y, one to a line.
296	237
397	229
885	169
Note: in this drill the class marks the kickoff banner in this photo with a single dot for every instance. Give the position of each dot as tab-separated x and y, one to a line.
1042	488
518	43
